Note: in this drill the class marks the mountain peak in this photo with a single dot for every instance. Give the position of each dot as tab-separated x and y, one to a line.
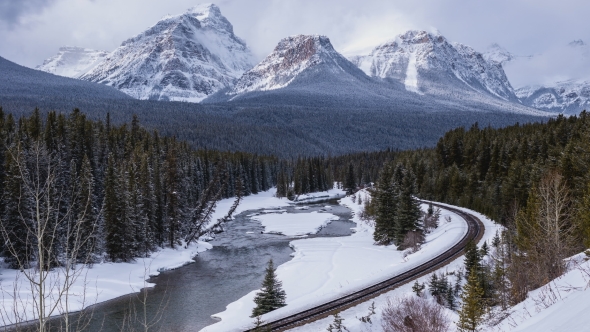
184	57
421	37
498	54
210	16
291	58
72	61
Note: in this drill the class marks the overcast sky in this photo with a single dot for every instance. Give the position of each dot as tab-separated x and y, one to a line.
33	30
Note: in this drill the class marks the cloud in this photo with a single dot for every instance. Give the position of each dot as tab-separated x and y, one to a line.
11	11
560	63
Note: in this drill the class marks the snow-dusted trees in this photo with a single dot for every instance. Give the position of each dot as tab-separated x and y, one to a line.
140	189
397	212
271	296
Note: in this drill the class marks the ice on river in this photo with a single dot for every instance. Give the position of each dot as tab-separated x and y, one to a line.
295	224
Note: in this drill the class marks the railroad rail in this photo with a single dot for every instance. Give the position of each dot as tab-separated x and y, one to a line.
474	232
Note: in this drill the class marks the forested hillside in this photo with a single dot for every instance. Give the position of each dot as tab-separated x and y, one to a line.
102	191
534	179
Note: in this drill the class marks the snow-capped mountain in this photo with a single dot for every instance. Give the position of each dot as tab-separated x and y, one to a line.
570	97
427	63
184	58
290	59
72	61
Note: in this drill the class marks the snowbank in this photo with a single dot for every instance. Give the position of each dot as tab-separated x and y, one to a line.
326	268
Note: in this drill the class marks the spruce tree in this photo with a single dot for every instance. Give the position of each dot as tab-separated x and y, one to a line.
473	308
386	204
408	209
350	183
271	296
472	259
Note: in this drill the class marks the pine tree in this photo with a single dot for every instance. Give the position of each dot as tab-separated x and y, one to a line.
15	219
418	288
386	204
86	214
408	209
350	183
472	259
271	296
473	308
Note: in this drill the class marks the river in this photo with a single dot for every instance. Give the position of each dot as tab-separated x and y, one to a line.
184	299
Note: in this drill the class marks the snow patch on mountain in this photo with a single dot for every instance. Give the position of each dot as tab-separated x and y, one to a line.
184	58
72	61
411	81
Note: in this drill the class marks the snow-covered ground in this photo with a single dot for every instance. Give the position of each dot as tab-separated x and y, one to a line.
106	281
326	268
562	305
352	316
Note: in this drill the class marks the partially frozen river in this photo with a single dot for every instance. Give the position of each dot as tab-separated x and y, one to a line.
184	299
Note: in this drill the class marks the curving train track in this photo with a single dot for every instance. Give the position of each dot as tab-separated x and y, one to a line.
474	232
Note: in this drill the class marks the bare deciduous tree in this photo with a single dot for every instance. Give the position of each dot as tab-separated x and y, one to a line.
45	221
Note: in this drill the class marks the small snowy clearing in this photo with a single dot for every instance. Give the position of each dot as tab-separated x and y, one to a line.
295	224
326	268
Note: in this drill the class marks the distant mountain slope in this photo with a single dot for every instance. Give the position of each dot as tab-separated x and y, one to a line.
315	128
72	61
17	81
566	97
184	58
570	97
427	63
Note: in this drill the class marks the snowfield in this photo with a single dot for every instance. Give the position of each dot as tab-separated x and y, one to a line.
323	269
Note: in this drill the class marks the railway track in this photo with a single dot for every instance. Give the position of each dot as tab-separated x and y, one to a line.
474	232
